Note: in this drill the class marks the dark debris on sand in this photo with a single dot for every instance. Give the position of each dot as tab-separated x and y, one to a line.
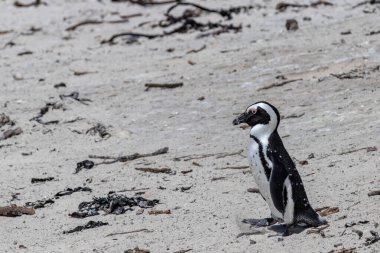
112	204
88	225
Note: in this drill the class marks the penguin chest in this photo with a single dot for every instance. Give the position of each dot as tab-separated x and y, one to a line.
260	164
258	170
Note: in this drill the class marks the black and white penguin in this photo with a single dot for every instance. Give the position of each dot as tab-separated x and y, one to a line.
274	171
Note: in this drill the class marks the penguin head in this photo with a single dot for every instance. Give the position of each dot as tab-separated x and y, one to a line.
263	118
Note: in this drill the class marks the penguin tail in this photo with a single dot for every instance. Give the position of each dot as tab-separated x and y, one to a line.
311	218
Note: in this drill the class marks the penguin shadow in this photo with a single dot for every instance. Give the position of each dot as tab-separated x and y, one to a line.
267	226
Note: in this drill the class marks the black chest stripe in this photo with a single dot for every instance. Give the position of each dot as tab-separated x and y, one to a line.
267	170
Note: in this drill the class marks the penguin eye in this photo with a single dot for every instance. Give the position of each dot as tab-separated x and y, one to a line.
253	111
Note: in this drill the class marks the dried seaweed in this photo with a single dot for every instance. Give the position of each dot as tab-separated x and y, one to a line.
75	95
39	180
146	2
44	110
186	22
39	203
35	4
374	238
112	204
86	164
88	225
70	191
99	129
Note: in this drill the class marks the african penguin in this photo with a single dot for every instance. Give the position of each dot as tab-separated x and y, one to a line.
274	171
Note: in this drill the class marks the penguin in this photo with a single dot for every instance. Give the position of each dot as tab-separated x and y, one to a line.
274	171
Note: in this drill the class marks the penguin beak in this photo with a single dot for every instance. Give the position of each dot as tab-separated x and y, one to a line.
242	118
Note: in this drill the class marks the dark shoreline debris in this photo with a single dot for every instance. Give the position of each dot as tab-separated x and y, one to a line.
366	2
10	133
253	190
155	170
317	230
283	6
374	193
39	180
99	129
137	250
69	191
162	85
146	2
233	168
372	33
356	73
112	204
374	238
291	25
60	85
186	22
75	95
130	232
5	120
44	110
325	211
39	203
88	225
200	156
14	211
110	159
36	3
278	84
86	164
157	212
98	22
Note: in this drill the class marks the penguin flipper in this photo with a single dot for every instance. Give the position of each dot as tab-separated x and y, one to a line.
276	184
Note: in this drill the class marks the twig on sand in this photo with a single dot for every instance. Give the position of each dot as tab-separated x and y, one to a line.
233	168
196	50
35	3
218	155
146	2
155	170
317	230
126	158
273	85
374	193
131	232
162	85
325	211
98	22
157	212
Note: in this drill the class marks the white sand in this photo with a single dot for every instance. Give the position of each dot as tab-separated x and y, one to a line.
339	115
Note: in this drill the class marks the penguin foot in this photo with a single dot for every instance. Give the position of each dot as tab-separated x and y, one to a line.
259	222
286	232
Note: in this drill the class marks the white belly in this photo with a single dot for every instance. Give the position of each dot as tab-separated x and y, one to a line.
260	177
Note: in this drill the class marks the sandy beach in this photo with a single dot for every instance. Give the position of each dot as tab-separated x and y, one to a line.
76	93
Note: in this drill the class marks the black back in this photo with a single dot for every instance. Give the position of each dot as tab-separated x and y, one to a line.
283	166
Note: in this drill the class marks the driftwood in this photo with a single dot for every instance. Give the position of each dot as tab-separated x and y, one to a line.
14	211
374	193
162	85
